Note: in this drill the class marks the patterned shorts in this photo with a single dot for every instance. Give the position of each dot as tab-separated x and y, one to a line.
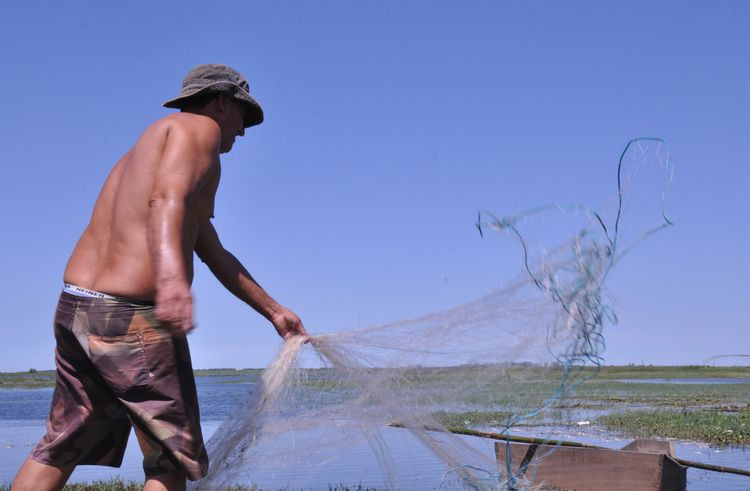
117	366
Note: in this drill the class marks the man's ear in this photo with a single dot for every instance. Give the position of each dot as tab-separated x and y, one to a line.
222	102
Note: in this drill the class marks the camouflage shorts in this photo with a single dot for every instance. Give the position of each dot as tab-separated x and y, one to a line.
117	366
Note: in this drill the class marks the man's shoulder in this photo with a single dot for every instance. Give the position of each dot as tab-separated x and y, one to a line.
200	129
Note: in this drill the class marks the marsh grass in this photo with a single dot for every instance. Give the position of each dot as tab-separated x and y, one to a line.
712	413
27	380
537	374
469	419
228	372
712	426
669	372
601	393
46	378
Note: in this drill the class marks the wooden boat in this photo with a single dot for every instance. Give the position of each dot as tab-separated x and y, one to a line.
642	465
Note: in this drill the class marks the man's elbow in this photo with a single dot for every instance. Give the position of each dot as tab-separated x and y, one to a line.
201	255
212	255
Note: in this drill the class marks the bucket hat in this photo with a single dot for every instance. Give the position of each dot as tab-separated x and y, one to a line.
215	78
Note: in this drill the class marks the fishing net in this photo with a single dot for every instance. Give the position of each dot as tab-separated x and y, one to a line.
384	398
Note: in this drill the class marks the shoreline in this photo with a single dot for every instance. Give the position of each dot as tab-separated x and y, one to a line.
33	378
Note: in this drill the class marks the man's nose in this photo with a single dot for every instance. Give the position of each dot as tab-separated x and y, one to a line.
242	131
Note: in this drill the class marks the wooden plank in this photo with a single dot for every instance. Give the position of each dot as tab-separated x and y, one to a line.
651	446
593	469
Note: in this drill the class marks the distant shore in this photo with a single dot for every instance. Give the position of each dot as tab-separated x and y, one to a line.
33	379
46	378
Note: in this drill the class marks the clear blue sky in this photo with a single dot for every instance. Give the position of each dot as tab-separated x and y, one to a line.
388	125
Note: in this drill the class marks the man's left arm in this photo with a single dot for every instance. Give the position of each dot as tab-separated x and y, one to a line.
235	278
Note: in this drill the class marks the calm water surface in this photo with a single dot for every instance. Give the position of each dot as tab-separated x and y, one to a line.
23	411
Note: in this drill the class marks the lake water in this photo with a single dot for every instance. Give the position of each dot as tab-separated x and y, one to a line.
23	412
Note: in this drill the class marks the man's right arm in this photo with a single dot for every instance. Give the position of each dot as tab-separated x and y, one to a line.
187	158
235	277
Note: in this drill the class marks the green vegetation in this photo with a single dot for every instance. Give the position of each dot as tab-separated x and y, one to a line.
228	372
710	413
602	394
669	372
442	375
28	380
711	426
34	379
117	484
470	419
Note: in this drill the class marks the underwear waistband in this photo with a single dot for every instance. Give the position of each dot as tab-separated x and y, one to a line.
80	291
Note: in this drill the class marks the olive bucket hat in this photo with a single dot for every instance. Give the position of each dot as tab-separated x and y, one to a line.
214	78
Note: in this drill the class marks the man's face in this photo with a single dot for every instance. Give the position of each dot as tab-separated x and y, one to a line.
233	124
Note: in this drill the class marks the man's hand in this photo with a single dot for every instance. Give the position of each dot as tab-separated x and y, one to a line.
288	324
174	306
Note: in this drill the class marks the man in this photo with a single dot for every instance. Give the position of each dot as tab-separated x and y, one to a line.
122	356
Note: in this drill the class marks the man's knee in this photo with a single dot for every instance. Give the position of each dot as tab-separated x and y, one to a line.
35	476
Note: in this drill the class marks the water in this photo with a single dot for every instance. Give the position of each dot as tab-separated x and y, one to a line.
23	411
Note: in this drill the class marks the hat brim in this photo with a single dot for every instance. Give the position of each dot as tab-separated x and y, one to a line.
254	115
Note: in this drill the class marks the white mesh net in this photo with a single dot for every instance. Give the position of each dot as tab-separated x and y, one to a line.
511	357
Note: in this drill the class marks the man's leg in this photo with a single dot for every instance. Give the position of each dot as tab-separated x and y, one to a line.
34	476
174	481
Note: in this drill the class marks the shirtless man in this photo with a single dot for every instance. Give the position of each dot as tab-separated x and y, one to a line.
122	356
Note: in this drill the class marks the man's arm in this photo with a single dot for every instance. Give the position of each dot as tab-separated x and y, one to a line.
235	278
188	156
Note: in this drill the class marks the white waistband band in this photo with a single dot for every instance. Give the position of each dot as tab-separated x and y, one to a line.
80	291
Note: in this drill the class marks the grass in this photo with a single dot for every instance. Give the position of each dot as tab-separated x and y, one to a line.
28	380
228	372
599	394
670	372
117	484
712	413
712	426
46	378
34	379
469	419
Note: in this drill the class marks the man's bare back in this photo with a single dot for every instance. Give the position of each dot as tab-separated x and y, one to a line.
154	210
114	255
